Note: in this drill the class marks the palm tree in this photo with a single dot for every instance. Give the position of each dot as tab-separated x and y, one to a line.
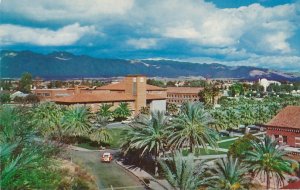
219	116
184	174
25	163
209	93
231	175
104	110
99	132
76	121
148	135
268	160
191	128
121	112
47	118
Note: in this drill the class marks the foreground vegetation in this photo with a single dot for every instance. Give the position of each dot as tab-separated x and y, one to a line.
27	162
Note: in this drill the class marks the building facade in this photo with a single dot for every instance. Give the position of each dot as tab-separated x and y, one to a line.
132	90
285	126
179	95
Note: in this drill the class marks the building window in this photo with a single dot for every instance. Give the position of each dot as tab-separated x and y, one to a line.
284	139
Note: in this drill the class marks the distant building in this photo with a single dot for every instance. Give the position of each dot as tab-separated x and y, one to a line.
285	126
265	83
178	95
132	89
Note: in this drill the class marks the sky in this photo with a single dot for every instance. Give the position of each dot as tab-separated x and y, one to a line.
264	33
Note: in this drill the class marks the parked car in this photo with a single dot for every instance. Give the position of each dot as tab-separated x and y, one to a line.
106	157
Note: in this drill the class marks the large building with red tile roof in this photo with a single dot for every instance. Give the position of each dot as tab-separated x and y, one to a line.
132	89
285	126
178	95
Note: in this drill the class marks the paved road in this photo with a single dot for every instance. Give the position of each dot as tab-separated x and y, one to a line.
107	175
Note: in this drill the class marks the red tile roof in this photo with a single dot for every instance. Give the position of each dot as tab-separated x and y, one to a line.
120	86
294	185
94	98
105	97
186	90
289	117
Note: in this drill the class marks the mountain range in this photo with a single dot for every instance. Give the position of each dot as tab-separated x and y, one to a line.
64	65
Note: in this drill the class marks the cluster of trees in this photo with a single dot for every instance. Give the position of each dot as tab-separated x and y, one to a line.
158	137
157	134
121	113
28	161
25	162
242	111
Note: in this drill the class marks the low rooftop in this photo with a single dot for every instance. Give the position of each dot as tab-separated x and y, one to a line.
289	117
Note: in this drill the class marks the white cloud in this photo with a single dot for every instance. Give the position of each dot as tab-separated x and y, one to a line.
73	10
279	62
202	23
142	43
14	34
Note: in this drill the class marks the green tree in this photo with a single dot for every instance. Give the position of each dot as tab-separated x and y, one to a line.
231	175
269	160
105	111
209	94
47	119
25	164
191	128
76	121
99	132
4	98
184	174
25	83
156	82
148	135
239	148
122	112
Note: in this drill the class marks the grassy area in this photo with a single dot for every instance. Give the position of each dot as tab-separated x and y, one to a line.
116	135
116	140
88	146
226	144
202	152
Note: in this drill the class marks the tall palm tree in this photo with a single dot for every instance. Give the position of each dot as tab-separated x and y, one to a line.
99	131
148	135
268	160
209	93
76	121
184	174
231	175
219	116
47	118
191	128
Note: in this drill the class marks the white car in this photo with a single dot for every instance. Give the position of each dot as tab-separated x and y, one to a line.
106	157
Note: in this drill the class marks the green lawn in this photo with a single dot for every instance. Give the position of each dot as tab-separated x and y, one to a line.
115	144
226	144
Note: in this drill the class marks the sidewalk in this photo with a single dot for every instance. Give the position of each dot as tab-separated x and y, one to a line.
141	174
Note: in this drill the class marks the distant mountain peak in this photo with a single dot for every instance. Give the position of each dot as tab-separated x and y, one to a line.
65	65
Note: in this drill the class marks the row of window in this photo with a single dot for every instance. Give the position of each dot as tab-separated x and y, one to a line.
43	94
182	96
